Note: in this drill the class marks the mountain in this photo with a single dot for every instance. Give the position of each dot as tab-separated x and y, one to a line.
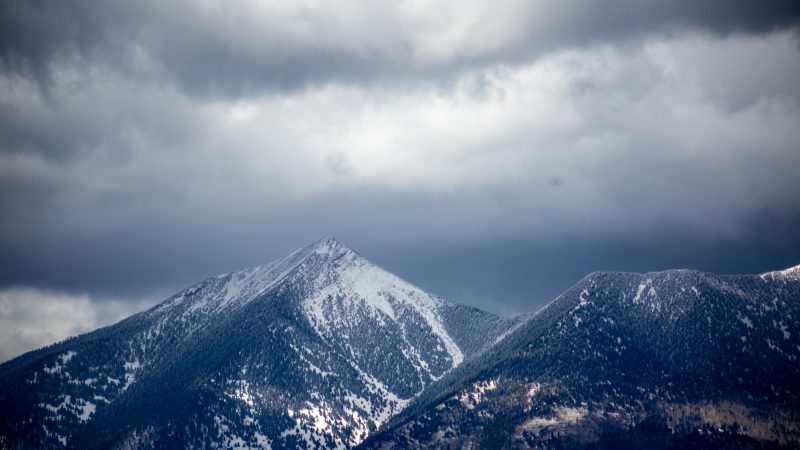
316	351
675	359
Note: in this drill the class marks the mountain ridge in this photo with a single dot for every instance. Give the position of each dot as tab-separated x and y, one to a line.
323	349
316	349
614	340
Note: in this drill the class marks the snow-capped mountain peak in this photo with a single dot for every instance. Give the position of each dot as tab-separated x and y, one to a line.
236	289
329	246
315	350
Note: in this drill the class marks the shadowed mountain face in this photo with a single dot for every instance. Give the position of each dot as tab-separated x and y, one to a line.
676	359
316	350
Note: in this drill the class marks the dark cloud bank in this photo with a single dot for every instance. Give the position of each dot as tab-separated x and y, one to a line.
242	47
493	154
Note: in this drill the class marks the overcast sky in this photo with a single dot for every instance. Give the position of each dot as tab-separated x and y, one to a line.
490	152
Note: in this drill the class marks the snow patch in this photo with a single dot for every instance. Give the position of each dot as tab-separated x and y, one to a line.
243	392
66	357
61	439
583	300
87	409
60	362
263	441
784	329
473	397
639	291
80	408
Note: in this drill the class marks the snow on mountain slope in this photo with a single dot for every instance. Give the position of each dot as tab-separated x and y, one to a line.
674	359
355	285
316	350
790	274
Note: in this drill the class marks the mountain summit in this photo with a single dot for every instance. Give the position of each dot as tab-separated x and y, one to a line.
315	350
673	359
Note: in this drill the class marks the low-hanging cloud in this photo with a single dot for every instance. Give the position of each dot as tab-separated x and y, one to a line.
31	318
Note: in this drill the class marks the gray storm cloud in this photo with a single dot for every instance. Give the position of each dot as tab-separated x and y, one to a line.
241	47
493	153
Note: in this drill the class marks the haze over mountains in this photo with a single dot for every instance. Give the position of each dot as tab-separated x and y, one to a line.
322	348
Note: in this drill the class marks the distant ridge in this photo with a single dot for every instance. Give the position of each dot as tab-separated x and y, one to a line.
671	359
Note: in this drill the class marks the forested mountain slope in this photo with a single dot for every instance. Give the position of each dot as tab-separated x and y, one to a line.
675	359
